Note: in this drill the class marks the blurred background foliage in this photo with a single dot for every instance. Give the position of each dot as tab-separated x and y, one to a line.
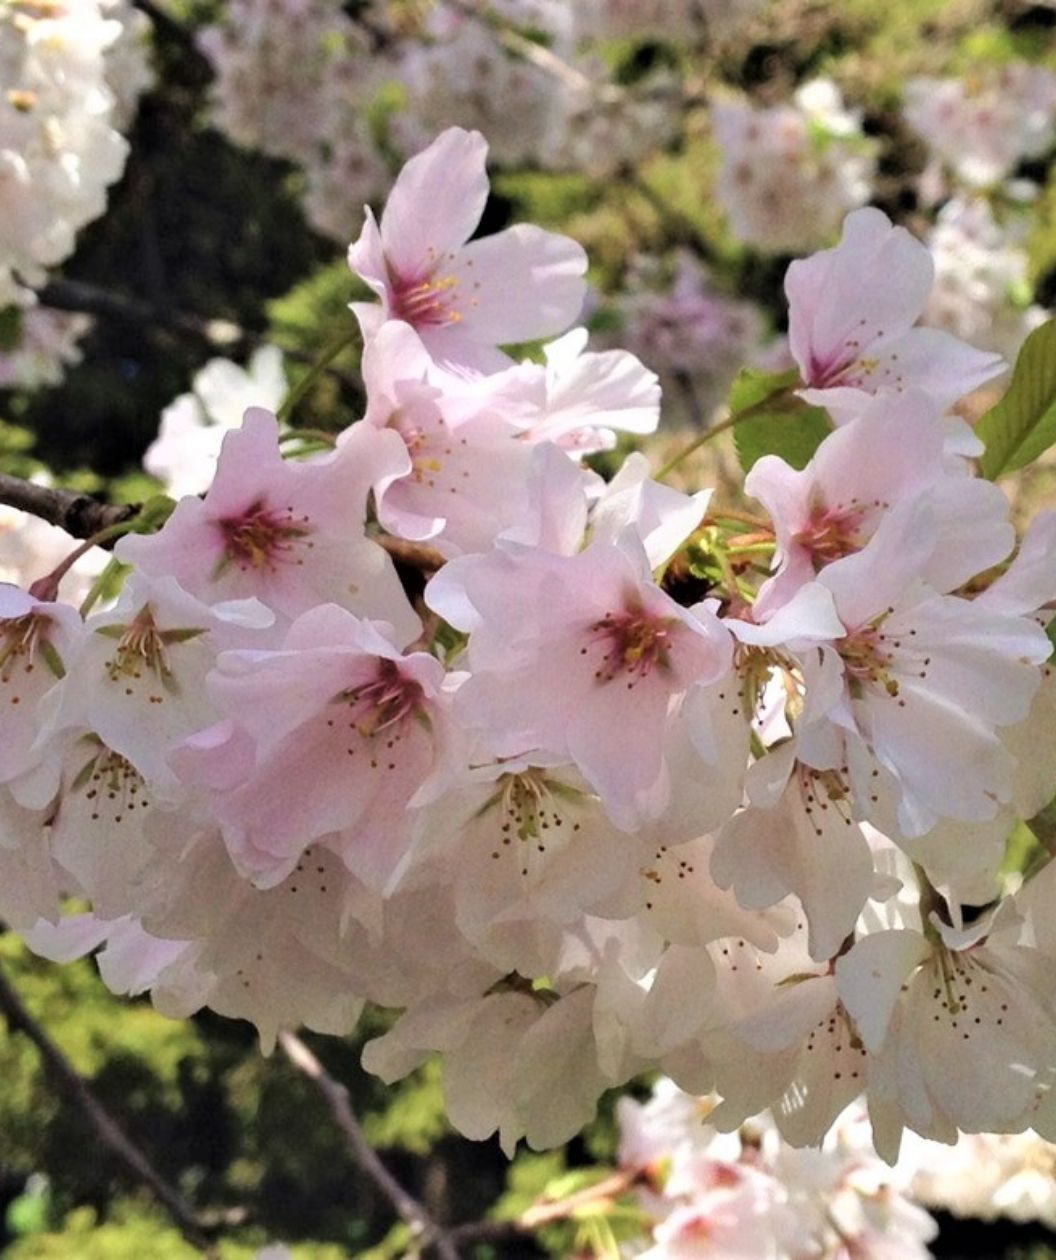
209	241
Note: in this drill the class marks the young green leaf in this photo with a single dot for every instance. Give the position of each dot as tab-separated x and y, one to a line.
1022	425
768	418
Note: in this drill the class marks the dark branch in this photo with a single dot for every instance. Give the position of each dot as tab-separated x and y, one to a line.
79	515
91	299
75	1088
217	336
425	1230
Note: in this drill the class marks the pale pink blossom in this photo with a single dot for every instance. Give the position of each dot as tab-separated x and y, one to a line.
790	173
892	453
852	316
290	533
920	680
580	656
338	711
194	425
464	299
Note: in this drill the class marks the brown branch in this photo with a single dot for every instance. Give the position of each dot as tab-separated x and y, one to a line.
92	299
545	1211
78	514
415	555
70	1083
217	336
82	516
425	1230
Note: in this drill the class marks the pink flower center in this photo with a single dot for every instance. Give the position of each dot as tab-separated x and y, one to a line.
386	701
632	643
867	660
428	298
262	538
837	531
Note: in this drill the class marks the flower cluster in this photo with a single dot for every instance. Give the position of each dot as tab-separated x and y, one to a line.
45	346
303	81
60	147
791	172
750	1194
977	132
604	87
982	127
600	777
693	335
700	1190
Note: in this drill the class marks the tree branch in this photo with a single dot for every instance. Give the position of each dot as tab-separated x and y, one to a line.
81	516
75	1088
217	336
92	299
78	514
422	1225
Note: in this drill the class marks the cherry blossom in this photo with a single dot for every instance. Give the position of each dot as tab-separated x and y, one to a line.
289	533
193	427
852	316
791	172
893	452
459	296
594	630
344	711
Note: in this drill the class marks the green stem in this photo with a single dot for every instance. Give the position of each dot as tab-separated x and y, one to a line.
329	353
769	403
154	513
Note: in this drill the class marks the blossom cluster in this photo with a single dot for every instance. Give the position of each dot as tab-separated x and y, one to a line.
749	1193
977	132
334	95
982	127
583	777
71	72
791	172
303	82
60	118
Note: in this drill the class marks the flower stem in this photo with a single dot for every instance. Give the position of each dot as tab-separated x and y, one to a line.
329	353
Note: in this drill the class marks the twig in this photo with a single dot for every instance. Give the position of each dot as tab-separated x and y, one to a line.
164	21
92	299
219	336
545	1211
528	50
78	514
69	1082
422	1225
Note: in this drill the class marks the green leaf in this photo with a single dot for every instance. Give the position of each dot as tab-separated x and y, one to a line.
794	433
753	386
1022	425
770	419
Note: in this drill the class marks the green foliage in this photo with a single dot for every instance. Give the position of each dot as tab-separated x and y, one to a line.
1022	425
770	419
417	1120
16	446
137	1232
1041	240
309	321
10	327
